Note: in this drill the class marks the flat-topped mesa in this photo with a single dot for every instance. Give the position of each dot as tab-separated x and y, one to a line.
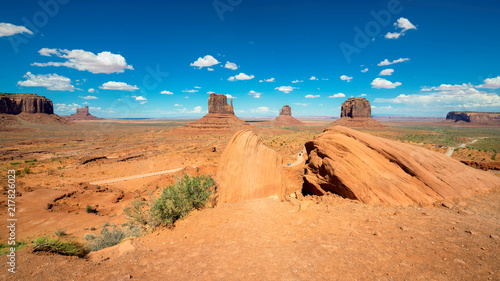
356	107
286	111
217	103
357	113
27	103
82	114
474	117
285	118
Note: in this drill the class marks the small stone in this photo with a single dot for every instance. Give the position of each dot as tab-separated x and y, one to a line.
447	205
398	212
128	276
403	228
459	261
377	234
471	232
494	237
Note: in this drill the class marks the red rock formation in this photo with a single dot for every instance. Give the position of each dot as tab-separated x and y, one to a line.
218	104
249	170
481	118
356	113
82	114
285	118
220	116
379	171
28	103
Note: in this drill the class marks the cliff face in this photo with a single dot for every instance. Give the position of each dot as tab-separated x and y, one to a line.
28	103
486	118
356	107
249	170
286	111
218	104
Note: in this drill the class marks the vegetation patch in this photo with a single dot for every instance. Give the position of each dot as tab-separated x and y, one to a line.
58	246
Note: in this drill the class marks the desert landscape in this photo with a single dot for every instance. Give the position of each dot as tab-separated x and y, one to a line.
249	140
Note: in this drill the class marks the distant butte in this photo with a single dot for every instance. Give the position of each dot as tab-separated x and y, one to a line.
285	118
357	113
220	116
474	117
82	114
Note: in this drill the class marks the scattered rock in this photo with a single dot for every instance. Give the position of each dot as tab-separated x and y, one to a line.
471	232
460	261
494	237
447	205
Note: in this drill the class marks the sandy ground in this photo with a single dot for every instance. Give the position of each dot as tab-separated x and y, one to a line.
308	238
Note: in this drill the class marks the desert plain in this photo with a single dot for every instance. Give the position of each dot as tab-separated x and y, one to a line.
62	169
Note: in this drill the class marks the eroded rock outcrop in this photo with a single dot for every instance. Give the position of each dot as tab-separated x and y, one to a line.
285	118
220	116
249	170
357	113
82	114
27	103
374	170
480	118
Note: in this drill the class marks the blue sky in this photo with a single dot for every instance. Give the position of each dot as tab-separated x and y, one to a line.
419	57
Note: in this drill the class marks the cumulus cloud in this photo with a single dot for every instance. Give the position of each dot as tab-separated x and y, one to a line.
364	70
491	83
403	24
297	81
312	96
447	87
89	97
261	109
206	61
301	104
139	98
459	99
386	72
62	108
387	62
8	29
177	104
255	94
268	80
197	109
230	65
91	90
345	78
122	86
285	89
313	78
241	76
189	91
104	62
52	82
339	95
210	69
166	93
381	83
363	95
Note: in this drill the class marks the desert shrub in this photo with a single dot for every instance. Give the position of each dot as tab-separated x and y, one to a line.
5	248
60	233
110	237
139	214
177	200
53	245
90	210
89	236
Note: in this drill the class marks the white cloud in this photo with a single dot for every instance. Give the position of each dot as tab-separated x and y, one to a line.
139	98
177	104
189	91
460	99
255	94
166	93
229	96
197	109
241	76
491	83
230	65
381	83
313	78
91	90
62	108
122	86
346	78
447	87
8	29
364	70
52	82
297	81
386	72
104	62
387	62
301	104
268	80
285	89
402	23
312	96
197	87
339	95
206	61
363	95
210	69
261	109
325	79
89	98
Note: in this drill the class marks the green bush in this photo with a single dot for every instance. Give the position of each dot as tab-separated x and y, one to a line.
90	210
110	237
66	248
60	233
